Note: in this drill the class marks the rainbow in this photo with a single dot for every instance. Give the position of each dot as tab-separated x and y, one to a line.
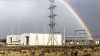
77	17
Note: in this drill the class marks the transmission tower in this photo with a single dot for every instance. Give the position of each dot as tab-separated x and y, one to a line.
52	24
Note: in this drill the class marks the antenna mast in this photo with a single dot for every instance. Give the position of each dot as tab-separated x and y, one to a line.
52	24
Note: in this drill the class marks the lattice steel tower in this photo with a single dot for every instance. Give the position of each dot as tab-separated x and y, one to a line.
52	24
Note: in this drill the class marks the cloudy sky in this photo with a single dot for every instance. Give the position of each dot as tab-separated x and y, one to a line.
89	10
20	16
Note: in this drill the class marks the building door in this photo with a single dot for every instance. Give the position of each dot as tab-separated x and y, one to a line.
27	40
11	39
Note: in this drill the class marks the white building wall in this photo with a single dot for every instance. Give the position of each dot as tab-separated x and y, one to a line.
34	39
13	40
43	39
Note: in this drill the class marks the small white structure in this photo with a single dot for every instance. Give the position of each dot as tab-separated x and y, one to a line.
33	39
97	40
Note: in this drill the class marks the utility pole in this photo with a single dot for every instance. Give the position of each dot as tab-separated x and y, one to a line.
52	24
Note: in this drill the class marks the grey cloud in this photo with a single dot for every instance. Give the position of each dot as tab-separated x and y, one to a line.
32	16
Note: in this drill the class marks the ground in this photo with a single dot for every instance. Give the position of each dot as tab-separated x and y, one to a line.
50	51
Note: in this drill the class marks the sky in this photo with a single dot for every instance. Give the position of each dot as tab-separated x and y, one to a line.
21	16
89	10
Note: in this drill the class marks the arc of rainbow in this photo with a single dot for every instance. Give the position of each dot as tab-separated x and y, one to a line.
77	17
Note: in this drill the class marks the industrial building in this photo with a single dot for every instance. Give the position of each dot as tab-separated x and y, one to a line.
43	39
33	39
77	40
